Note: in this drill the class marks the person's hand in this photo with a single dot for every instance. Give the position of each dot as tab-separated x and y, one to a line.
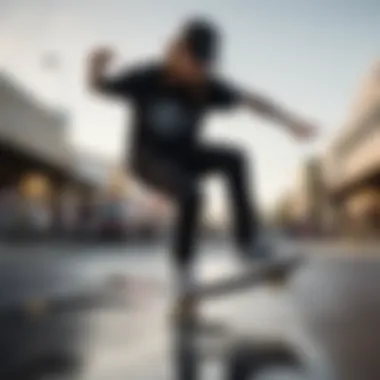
303	130
102	57
98	65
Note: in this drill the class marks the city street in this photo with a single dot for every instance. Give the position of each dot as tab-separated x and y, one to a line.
132	341
117	354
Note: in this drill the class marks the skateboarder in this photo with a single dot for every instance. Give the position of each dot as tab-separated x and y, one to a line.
170	98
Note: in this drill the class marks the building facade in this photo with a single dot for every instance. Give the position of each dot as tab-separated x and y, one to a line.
35	155
354	179
307	200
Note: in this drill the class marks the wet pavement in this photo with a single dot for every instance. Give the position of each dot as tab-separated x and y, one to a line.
134	340
136	345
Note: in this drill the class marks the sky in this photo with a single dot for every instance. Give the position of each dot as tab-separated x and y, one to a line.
308	55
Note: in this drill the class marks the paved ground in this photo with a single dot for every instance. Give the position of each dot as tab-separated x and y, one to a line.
263	314
137	345
134	342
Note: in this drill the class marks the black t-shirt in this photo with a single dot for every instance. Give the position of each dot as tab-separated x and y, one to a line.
167	116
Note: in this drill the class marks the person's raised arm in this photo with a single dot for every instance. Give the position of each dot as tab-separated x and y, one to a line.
128	84
271	110
99	62
225	95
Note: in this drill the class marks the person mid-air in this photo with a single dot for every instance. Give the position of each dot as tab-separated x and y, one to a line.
170	99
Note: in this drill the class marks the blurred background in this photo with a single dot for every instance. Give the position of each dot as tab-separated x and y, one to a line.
64	165
65	186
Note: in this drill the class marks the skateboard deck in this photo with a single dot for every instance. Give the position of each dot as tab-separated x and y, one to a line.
277	270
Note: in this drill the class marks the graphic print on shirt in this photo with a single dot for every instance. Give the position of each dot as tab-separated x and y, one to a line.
168	118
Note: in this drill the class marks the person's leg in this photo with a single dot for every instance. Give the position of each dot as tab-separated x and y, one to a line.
177	181
173	178
189	205
233	164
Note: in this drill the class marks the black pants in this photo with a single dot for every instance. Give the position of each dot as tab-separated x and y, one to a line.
179	175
